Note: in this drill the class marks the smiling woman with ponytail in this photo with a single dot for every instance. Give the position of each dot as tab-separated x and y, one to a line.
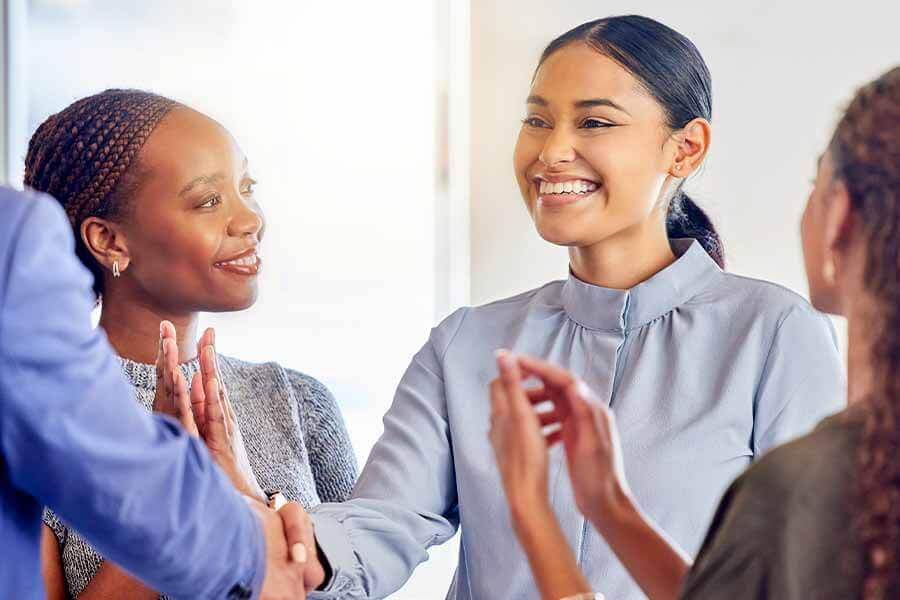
706	370
816	518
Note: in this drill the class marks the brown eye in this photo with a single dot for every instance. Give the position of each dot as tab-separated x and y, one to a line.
249	187
211	202
595	124
534	122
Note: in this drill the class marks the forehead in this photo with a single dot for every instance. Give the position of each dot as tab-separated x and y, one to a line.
188	143
579	72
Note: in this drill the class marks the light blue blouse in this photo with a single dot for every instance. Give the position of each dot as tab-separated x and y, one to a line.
704	370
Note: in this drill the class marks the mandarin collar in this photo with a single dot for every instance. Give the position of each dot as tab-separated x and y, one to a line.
603	308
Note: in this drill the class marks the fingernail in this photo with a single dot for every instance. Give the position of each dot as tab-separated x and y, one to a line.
504	356
298	553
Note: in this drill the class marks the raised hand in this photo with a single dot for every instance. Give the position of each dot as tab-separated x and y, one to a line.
519	444
216	422
171	388
588	432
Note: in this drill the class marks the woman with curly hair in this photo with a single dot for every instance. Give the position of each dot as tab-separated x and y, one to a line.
816	518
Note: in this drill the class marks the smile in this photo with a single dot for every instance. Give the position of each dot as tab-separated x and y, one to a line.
562	193
247	263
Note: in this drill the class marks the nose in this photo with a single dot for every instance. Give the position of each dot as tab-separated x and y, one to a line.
558	148
247	220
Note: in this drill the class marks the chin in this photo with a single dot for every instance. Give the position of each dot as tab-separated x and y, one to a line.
232	302
560	233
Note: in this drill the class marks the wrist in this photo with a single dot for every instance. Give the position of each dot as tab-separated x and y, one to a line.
530	515
615	507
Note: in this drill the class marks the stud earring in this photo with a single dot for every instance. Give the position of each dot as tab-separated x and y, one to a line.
116	272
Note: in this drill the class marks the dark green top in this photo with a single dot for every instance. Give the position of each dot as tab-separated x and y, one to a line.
783	529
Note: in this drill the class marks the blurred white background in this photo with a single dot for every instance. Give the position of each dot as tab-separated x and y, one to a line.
382	136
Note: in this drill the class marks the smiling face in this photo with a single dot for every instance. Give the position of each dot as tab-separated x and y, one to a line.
194	225
594	151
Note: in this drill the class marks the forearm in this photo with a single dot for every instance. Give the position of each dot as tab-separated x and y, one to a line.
551	559
111	582
656	564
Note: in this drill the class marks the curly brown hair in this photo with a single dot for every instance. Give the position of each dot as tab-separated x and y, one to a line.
866	152
86	156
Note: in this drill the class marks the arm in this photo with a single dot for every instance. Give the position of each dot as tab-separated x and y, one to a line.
72	437
802	380
331	455
520	448
405	499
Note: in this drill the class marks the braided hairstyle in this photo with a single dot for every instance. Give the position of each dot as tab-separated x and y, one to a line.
866	152
673	71
87	157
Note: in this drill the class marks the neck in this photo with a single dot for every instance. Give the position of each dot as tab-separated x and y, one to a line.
133	328
625	260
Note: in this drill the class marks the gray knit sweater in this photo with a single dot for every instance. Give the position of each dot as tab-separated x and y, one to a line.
293	431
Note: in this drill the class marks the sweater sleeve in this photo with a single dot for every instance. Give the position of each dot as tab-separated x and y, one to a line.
331	454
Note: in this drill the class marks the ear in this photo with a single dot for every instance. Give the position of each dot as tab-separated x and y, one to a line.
691	145
838	217
106	242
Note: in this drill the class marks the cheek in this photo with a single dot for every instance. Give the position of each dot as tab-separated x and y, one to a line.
176	256
630	175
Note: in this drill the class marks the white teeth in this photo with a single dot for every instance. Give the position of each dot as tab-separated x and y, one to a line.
244	261
573	186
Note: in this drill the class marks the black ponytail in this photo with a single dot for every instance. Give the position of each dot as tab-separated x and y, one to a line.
672	70
687	220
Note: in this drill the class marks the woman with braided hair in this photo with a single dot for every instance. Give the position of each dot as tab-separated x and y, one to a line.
162	204
816	518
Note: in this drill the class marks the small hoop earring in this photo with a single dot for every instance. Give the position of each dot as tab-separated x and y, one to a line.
829	270
116	272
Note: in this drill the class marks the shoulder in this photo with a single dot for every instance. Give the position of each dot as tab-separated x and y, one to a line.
760	295
495	315
32	223
306	387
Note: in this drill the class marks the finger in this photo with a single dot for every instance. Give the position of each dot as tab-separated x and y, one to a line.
551	375
216	432
550	417
209	357
198	402
538	395
554	437
511	378
183	404
499	403
297	531
207	362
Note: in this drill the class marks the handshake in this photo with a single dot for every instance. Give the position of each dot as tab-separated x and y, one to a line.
293	566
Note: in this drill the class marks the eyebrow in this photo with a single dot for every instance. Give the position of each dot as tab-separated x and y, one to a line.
590	103
206	179
203	179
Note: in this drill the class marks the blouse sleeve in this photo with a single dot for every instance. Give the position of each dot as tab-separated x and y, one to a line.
406	497
331	455
802	380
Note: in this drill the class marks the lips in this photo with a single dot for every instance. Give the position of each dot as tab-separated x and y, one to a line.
246	263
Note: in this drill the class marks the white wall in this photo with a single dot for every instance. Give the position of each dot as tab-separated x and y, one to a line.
780	73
